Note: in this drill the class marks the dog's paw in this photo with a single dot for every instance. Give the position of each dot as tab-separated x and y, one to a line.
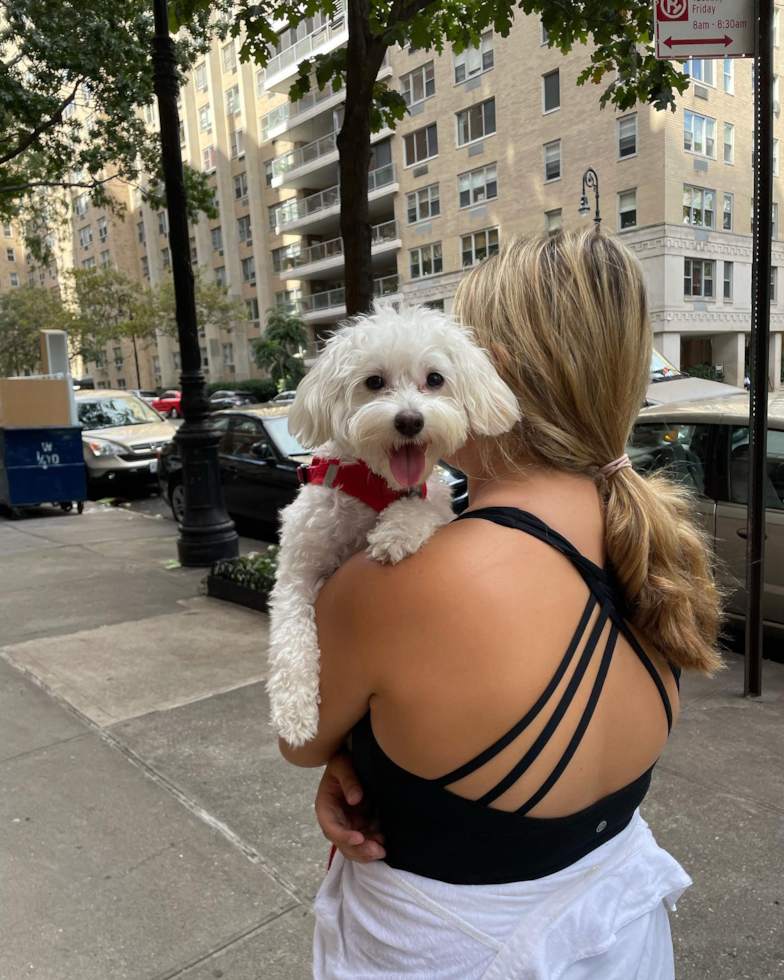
389	550
402	529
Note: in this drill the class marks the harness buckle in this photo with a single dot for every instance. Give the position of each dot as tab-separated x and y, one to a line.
302	473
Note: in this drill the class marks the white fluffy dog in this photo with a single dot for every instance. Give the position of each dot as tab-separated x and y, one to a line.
391	394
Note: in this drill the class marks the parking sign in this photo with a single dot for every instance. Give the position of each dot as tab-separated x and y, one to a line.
704	28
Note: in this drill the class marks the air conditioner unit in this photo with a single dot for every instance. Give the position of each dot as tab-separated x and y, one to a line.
776	106
244	201
220	251
231	368
234	70
248	241
252	282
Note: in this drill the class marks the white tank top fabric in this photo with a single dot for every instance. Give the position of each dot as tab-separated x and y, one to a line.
602	918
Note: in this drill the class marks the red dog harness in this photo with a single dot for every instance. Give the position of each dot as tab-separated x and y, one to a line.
357	480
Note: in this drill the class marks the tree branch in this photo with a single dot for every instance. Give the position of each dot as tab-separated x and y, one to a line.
13	188
41	127
415	8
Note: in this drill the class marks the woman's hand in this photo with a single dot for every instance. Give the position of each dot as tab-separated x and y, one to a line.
343	817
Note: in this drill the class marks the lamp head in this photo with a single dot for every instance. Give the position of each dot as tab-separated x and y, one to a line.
584	209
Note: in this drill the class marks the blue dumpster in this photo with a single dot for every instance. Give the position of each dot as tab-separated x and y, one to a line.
41	464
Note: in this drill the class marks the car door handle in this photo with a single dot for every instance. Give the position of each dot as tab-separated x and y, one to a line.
744	534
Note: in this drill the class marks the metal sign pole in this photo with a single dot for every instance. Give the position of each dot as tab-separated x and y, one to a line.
760	344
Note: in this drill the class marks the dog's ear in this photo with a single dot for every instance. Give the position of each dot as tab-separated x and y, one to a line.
489	401
310	418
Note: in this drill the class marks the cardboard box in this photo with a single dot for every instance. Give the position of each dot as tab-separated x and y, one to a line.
34	401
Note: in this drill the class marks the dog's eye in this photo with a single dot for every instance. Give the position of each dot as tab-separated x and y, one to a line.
435	380
375	383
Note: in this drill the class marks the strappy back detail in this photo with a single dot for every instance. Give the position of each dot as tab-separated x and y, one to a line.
407	797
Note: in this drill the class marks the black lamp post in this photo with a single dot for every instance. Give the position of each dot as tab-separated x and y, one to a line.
206	533
590	179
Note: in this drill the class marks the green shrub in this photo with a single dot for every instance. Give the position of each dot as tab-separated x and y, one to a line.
254	571
262	388
706	371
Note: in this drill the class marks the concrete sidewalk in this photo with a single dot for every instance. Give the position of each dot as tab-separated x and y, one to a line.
152	832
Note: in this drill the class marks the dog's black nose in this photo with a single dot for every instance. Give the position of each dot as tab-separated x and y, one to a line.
409	423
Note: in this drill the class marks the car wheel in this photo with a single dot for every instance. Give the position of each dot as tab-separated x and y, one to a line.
177	499
174	414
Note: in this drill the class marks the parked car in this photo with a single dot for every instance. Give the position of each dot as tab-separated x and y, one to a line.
258	460
705	444
169	404
121	436
146	395
231	399
669	384
283	398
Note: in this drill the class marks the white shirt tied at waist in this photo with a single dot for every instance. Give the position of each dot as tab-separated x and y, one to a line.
603	918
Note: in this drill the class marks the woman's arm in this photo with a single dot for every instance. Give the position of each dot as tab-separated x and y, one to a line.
347	612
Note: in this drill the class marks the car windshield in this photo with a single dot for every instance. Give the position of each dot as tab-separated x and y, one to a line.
104	413
284	440
662	369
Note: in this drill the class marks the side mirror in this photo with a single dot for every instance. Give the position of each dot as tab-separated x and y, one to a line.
262	451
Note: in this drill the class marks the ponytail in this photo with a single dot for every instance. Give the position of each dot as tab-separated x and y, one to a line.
662	560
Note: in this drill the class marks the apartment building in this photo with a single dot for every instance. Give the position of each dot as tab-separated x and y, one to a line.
495	144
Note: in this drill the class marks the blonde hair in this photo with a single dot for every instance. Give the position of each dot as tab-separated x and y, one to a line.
565	318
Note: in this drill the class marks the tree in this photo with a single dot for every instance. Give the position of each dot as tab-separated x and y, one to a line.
60	57
278	349
621	31
110	306
24	312
214	306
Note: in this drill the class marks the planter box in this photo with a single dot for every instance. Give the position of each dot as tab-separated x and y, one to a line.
224	588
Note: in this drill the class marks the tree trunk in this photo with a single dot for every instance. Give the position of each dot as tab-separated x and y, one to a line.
364	57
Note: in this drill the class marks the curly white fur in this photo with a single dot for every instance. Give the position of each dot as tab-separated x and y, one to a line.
336	409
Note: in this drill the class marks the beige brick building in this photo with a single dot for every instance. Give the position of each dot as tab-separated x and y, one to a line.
495	145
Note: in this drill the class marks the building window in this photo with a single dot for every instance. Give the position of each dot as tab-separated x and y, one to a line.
85	240
551	91
477	246
220	275
229	56
241	185
140	233
420	145
552	161
165	258
775	221
42	274
106	259
228	355
474	61
205	119
237	144
728	280
701	70
627	209
698	276
194	250
729	143
7	231
121	383
699	134
727	218
252	306
209	159
699	207
423	204
217	238
285	257
425	261
145	267
81	204
269	173
232	100
205	360
87	264
773	282
553	220
627	136
103	229
243	229
729	76
118	358
14	278
156	364
136	198
249	270
775	158
476	123
419	84
163	224
31	277
177	360
201	77
478	186
776	13
544	37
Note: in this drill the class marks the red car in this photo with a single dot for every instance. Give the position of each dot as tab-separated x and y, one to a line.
168	404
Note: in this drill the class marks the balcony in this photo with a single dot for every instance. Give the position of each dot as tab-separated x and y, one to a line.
327	257
281	69
316	162
330	306
319	213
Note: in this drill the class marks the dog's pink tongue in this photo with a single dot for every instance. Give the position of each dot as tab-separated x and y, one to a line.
408	465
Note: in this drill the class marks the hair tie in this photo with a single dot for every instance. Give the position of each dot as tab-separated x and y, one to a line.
617	464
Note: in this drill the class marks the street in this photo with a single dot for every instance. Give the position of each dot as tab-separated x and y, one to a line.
153	832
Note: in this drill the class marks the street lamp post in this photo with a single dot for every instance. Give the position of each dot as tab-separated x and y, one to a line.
590	179
206	533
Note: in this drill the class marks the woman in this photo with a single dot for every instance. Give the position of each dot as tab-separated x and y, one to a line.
509	688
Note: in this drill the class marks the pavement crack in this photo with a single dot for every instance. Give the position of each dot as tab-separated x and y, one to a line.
43	748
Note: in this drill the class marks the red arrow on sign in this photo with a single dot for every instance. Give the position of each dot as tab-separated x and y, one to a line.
671	42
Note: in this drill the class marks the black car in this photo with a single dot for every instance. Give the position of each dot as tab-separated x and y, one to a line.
258	460
231	399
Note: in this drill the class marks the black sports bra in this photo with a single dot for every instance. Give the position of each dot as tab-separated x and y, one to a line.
438	834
